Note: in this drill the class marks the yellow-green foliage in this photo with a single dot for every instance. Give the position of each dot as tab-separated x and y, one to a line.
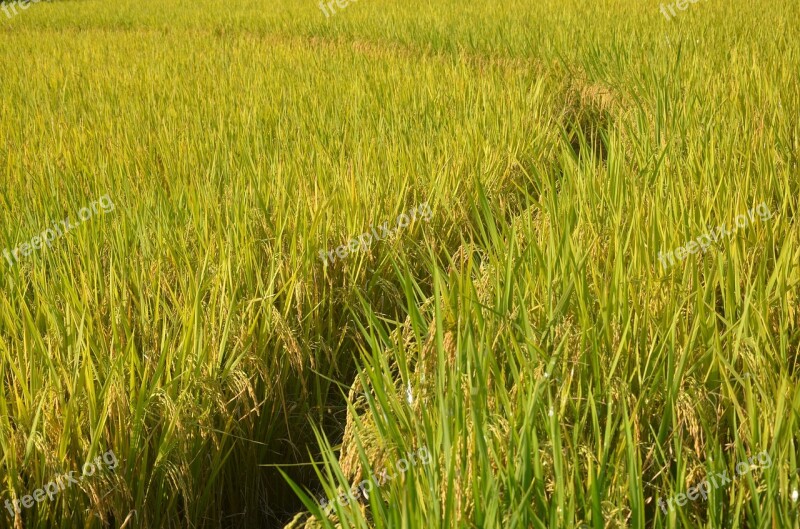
560	375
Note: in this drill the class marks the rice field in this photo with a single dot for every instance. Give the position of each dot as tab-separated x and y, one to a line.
504	264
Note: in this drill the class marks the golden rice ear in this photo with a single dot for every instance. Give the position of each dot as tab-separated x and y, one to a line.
304	521
286	335
361	426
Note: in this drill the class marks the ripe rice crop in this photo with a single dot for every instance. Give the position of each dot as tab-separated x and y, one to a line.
525	333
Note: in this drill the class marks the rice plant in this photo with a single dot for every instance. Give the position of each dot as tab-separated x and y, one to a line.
519	357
